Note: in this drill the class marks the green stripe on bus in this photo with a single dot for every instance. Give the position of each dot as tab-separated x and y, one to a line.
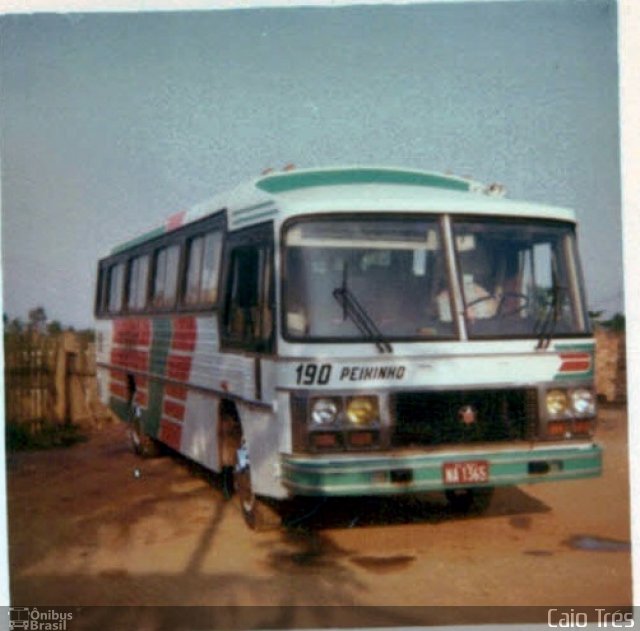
249	209
506	469
291	181
157	364
269	213
587	347
583	347
566	376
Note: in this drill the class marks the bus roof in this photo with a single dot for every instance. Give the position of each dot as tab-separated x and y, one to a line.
279	196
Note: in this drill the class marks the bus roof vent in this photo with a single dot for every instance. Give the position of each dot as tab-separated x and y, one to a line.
282	182
495	190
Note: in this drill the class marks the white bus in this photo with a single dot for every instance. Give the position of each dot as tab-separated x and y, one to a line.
355	331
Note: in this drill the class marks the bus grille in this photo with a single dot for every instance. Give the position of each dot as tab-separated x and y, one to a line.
464	416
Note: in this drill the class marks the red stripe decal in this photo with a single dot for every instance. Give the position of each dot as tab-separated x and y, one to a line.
175	391
118	356
134	332
575	366
117	377
131	359
173	409
119	391
138	360
575	362
178	367
184	334
144	332
170	433
175	221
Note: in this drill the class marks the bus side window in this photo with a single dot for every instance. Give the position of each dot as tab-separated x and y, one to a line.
165	281
203	262
116	288
138	280
100	290
248	314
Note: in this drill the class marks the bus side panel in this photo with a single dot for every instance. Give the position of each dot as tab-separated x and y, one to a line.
158	360
205	354
199	439
197	339
189	415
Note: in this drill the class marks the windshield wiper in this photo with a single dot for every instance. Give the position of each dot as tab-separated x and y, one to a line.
550	317
354	310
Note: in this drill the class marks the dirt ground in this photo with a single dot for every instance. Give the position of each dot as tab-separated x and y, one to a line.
86	530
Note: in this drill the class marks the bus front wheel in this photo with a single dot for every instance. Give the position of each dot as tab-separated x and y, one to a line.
235	472
256	512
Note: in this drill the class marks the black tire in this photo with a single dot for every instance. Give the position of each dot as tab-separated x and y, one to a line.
465	501
257	513
226	482
235	473
142	444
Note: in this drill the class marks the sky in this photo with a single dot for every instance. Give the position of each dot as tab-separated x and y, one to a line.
111	122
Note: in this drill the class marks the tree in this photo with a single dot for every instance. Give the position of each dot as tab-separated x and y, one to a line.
15	326
617	323
37	319
54	327
594	317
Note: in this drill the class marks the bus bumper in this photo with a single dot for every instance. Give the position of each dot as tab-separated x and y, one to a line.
379	474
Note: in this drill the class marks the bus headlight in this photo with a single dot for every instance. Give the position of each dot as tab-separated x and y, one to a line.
583	402
557	402
362	410
324	411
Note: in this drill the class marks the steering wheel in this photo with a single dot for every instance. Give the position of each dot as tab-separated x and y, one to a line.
500	303
524	303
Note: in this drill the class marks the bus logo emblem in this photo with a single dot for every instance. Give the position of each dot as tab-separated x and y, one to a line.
467	415
18	618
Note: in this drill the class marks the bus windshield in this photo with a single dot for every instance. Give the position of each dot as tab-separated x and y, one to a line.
517	279
393	270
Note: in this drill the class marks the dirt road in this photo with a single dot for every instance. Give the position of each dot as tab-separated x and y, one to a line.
85	530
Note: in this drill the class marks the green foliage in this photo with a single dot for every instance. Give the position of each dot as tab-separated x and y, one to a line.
594	317
617	323
38	323
37	319
54	327
23	437
14	327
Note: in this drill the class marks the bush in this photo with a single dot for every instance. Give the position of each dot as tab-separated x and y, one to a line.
23	437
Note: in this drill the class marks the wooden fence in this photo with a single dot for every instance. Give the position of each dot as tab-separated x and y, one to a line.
611	365
50	379
29	371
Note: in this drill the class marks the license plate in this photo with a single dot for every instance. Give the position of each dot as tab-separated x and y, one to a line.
468	472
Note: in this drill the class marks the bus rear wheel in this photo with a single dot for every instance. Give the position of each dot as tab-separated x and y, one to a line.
475	500
142	444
